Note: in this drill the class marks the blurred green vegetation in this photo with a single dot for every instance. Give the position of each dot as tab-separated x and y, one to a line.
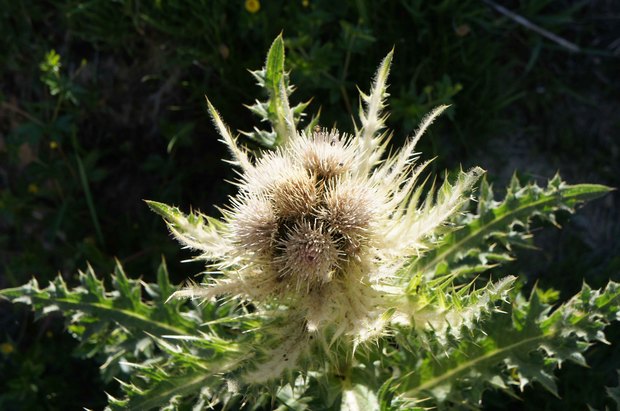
102	105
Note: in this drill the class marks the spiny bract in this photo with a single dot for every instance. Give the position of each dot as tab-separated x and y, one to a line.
321	229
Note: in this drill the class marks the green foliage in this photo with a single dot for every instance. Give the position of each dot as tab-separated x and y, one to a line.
115	115
277	109
126	80
110	323
485	239
161	345
515	346
178	353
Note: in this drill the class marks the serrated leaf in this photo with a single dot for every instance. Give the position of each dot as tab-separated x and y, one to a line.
104	305
164	391
112	323
524	345
277	109
479	234
194	230
371	115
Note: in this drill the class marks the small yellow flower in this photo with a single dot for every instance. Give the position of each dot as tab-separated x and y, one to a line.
252	6
6	348
53	145
305	3
33	188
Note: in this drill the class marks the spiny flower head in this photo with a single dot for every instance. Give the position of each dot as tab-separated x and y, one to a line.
321	228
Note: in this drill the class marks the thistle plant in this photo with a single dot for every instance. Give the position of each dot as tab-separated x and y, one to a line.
340	276
320	231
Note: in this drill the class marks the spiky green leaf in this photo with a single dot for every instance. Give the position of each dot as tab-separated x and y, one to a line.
276	110
486	237
516	348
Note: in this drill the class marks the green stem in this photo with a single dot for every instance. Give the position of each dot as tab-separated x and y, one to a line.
86	188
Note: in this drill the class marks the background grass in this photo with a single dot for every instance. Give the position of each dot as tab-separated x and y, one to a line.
102	105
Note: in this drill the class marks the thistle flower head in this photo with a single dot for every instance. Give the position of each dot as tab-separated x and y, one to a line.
322	227
302	219
308	257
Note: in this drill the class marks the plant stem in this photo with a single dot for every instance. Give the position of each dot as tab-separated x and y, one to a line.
86	188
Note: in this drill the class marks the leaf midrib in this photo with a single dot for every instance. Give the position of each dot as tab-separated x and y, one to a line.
488	356
483	228
554	331
152	326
